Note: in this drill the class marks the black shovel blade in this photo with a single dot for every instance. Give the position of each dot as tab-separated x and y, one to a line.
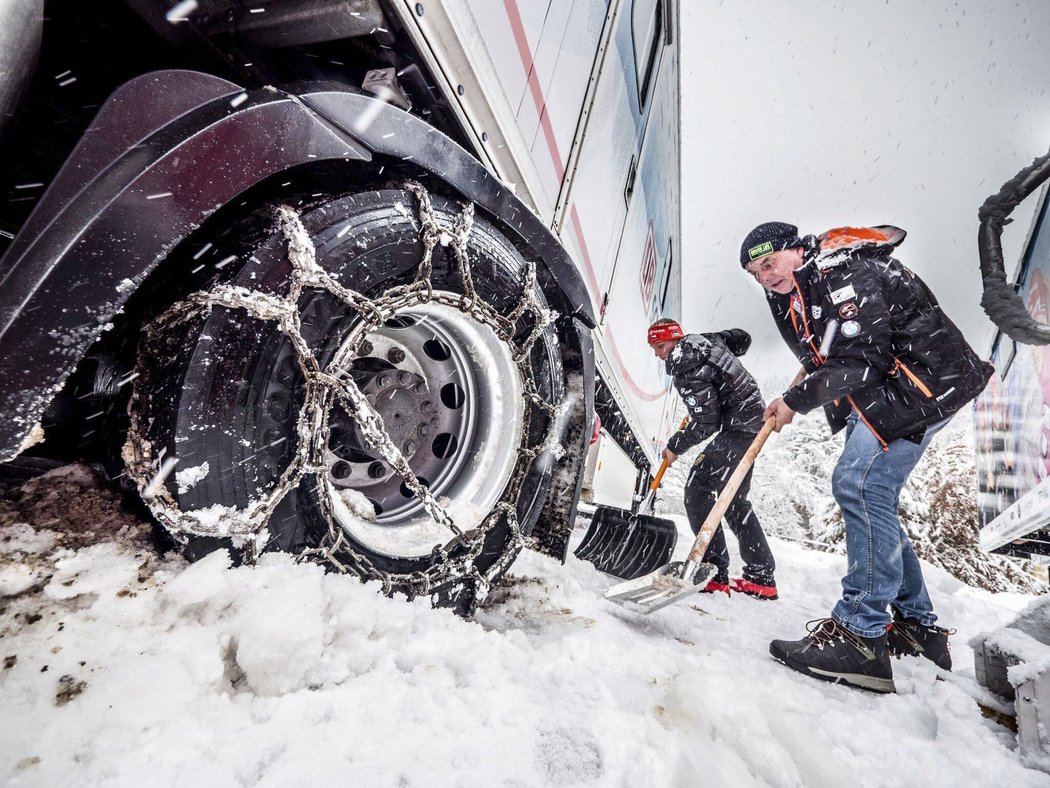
625	545
606	533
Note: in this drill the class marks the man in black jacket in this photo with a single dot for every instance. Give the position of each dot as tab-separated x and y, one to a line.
890	367
721	397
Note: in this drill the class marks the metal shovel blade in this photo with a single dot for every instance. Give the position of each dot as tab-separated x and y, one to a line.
661	588
625	545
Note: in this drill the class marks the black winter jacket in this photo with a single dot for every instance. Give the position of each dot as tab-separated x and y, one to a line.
894	357
718	392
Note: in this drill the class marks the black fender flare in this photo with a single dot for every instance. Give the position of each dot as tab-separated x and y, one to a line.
165	152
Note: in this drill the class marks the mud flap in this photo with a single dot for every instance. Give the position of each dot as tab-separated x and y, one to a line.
625	545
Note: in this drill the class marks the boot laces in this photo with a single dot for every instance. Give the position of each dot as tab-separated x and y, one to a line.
910	629
824	631
907	634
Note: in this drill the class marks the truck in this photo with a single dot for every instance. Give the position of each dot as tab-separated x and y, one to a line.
1012	431
1012	418
353	279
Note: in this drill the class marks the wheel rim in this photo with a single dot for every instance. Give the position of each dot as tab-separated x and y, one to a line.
450	395
304	331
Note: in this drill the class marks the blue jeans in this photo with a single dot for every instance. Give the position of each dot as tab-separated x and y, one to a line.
883	569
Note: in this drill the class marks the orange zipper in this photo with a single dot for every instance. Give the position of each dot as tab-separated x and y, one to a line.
885	446
914	378
818	359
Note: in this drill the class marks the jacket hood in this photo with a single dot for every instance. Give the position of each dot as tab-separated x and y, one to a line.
691	352
838	244
736	339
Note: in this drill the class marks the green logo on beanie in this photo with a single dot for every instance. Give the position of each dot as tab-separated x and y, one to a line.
760	250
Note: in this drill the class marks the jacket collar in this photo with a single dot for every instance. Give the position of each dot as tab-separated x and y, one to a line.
806	272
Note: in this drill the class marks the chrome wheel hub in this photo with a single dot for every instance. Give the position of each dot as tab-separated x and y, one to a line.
451	400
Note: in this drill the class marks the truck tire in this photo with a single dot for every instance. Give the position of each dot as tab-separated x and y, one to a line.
243	434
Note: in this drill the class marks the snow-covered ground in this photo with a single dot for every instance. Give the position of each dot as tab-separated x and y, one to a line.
121	668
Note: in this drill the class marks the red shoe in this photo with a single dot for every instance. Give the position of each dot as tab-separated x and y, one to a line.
753	589
713	586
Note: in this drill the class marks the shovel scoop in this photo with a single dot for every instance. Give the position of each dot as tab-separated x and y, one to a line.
663	587
627	545
680	579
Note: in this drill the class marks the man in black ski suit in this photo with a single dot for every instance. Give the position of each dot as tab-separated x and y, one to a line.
721	397
890	368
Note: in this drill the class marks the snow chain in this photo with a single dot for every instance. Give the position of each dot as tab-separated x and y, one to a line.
324	387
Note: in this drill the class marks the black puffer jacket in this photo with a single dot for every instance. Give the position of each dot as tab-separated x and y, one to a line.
716	389
895	357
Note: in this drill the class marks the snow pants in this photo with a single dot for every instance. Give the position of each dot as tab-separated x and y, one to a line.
710	472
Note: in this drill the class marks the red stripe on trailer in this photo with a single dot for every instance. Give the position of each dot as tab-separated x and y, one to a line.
631	384
538	99
536	90
534	85
577	230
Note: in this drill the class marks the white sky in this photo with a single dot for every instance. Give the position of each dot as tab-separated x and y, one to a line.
855	113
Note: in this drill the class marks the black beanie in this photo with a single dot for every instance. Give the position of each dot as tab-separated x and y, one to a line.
768	238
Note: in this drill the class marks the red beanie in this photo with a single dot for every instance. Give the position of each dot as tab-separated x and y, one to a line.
664	331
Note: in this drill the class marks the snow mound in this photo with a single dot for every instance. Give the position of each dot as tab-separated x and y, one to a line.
131	669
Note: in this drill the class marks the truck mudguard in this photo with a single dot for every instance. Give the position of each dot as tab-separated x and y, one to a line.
165	152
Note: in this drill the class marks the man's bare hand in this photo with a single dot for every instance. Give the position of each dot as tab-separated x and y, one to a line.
781	411
670	456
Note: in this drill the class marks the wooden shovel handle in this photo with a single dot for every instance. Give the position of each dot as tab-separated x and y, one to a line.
714	517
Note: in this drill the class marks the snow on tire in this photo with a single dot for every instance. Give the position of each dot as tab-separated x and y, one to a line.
377	385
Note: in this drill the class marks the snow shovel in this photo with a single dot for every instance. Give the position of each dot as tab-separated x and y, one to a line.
629	545
679	579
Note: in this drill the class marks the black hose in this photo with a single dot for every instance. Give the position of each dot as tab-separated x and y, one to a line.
1001	303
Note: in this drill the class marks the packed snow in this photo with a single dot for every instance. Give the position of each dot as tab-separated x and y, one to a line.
189	478
124	667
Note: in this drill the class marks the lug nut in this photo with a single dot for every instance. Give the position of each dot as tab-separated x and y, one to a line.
405	378
424	430
376	470
366	348
409	447
427	406
395	355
